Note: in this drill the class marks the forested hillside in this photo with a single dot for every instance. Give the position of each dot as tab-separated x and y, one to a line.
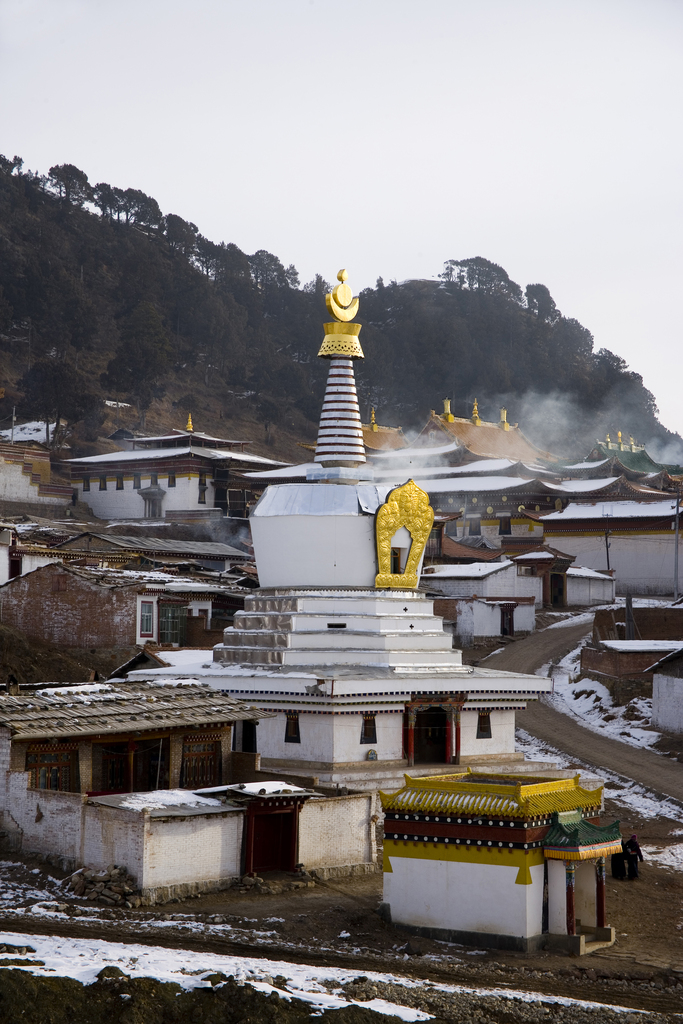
104	297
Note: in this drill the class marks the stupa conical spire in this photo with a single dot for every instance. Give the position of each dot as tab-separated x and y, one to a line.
340	436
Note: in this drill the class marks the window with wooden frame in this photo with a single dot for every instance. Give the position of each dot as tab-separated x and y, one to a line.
103	483
504	526
119	481
292	733
484	725
147	618
171	479
368	733
201	497
86	483
137	482
52	766
474	527
526	570
201	762
153	479
58	584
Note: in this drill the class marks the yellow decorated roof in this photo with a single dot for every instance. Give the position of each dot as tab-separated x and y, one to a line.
514	796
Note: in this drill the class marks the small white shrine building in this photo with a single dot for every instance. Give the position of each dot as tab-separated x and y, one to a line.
339	642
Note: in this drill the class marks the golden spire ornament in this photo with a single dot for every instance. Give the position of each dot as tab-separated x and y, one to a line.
341	338
189	426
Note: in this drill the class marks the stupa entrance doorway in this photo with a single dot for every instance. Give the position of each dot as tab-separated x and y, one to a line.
431	728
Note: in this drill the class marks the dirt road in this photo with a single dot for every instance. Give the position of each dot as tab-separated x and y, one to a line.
565	733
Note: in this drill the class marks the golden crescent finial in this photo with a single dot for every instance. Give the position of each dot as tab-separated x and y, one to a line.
340	301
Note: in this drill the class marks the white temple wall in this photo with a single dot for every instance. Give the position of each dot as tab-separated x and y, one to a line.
128	504
476	896
331	738
644	562
582	590
502	734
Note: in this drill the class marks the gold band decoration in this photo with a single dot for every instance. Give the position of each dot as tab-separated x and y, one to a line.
405	506
341	337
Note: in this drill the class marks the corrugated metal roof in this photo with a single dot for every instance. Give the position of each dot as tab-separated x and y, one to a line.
175	547
92	709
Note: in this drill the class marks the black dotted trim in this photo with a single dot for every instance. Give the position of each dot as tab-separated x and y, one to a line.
468	842
464	820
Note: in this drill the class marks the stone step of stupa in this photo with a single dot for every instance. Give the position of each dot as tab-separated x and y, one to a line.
396	658
339	602
295	622
338	640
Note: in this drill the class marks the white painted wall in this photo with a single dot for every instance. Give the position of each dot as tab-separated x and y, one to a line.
667	703
15	485
557	898
331	738
583	590
585	893
303	551
502	734
199	848
644	563
475	896
337	831
128	504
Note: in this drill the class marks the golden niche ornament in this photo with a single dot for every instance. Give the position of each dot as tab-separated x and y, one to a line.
405	506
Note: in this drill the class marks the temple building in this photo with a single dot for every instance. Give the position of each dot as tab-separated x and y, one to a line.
502	861
339	644
183	470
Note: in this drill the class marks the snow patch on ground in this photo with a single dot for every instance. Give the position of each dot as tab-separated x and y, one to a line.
626	792
83	959
665	856
591	703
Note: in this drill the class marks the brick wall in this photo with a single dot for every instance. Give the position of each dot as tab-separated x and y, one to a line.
198	848
651	624
199	636
81	615
337	831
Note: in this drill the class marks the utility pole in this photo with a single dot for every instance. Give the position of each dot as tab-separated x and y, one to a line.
678	511
14	416
607	548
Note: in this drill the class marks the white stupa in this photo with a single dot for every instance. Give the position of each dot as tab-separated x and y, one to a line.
339	643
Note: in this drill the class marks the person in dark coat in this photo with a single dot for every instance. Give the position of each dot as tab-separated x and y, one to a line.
618	863
633	855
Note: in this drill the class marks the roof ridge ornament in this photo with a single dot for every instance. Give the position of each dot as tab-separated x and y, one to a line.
189	426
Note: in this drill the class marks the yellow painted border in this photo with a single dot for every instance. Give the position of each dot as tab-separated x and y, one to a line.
493	856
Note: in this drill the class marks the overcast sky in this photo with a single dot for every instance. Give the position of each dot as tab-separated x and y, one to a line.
386	136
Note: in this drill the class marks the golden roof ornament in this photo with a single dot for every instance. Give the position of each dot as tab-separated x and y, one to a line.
189	426
373	422
475	414
341	337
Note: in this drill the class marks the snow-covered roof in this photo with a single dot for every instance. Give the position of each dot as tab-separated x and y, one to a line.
314	499
641	646
593	574
192	548
586	465
142	454
576	486
418	453
533	554
285	473
613	510
475	571
264	788
469	484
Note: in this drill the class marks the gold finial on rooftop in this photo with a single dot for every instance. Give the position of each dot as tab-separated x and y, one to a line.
189	422
447	414
341	337
504	425
607	439
373	424
475	414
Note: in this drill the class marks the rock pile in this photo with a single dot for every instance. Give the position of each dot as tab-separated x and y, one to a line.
252	883
113	887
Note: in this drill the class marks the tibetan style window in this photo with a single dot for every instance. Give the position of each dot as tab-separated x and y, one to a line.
119	482
58	584
146	618
137	483
171	479
201	497
86	483
201	762
475	527
484	725
292	734
526	570
52	766
153	479
368	733
172	624
433	548
504	526
103	483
